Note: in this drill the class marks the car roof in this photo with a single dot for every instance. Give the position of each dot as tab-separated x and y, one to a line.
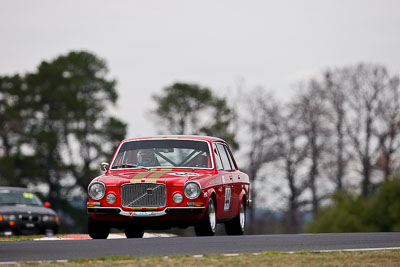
190	137
15	189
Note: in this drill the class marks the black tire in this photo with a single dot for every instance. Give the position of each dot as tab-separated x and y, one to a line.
134	231
50	231
207	225
237	225
98	229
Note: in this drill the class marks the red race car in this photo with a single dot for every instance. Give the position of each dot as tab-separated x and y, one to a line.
169	181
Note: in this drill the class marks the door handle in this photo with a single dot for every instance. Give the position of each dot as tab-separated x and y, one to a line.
230	177
238	176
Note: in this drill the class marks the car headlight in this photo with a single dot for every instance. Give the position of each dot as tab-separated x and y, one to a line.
111	198
97	190
178	198
48	218
8	217
192	190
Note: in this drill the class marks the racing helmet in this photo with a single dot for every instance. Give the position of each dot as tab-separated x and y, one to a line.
146	158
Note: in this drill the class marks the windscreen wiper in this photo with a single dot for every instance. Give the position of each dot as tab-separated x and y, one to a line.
8	203
127	165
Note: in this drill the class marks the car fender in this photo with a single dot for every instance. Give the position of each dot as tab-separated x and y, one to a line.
210	191
241	196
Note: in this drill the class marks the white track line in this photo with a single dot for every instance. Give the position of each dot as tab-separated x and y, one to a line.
15	262
111	236
358	249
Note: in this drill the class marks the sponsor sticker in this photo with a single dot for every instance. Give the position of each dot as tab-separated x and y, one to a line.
28	195
184	174
227	203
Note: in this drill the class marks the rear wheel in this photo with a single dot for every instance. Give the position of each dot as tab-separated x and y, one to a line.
207	225
238	224
98	229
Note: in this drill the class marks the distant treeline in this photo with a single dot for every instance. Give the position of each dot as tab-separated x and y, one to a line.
339	134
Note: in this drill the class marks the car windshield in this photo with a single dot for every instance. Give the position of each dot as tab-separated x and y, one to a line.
8	197
163	154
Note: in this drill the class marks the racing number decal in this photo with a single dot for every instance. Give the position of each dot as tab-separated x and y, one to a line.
227	198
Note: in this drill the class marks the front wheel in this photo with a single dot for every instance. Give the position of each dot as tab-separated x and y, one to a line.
98	229
133	231
206	226
238	224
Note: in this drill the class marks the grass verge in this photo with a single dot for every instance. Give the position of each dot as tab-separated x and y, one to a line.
363	258
23	237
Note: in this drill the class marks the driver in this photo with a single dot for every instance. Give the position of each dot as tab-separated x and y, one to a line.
146	158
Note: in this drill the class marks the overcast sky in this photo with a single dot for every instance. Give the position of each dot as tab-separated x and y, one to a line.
151	44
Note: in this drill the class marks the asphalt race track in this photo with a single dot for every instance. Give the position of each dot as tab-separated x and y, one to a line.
63	250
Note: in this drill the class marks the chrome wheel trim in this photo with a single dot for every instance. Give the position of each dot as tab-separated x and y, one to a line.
242	216
211	214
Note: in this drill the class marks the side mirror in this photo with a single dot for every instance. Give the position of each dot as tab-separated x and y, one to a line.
104	166
47	204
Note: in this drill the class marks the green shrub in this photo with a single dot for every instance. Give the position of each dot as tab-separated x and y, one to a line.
385	207
350	212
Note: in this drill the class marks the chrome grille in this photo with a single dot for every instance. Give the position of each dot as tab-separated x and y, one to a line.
143	195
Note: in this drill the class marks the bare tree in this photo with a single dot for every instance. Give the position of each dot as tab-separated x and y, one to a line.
335	98
313	113
388	128
292	153
364	84
280	139
261	138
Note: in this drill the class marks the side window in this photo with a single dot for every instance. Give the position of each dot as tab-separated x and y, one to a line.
224	157
218	158
230	158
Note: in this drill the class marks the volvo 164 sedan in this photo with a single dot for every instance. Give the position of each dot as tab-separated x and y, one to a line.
169	181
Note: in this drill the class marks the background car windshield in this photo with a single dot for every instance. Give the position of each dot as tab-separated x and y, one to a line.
19	198
163	154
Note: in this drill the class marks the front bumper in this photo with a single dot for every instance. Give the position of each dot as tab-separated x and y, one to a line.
28	227
119	211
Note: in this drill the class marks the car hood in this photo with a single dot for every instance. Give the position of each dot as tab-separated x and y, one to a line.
21	209
170	178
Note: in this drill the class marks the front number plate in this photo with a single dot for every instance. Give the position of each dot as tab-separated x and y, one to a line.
141	213
29	225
